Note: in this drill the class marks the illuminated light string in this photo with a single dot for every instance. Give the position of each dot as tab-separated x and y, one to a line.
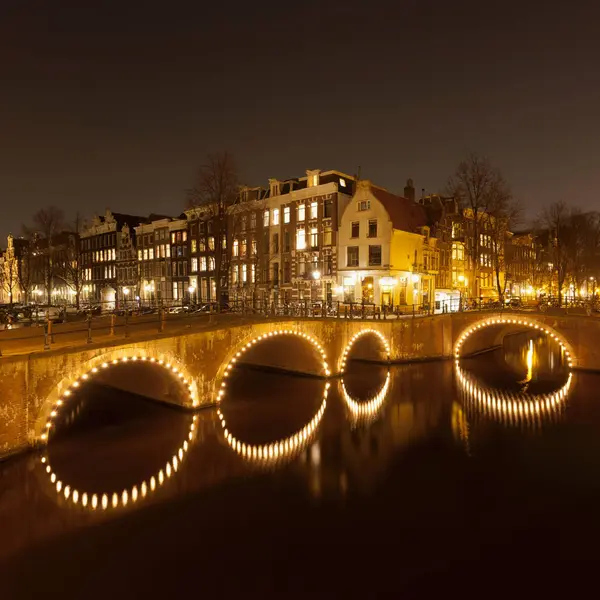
274	452
510	407
264	336
370	408
353	340
517	321
176	370
128	496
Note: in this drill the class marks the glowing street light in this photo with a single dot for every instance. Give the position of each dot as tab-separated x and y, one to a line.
126	291
316	275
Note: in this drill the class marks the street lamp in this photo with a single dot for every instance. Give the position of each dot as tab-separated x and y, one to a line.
126	291
316	275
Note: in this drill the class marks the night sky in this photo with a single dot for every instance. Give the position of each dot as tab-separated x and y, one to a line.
113	104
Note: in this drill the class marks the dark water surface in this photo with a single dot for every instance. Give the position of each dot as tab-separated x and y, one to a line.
479	479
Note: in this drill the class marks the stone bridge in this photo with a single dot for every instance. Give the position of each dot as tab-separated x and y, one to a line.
190	368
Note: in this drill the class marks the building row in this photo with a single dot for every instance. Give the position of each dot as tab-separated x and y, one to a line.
323	237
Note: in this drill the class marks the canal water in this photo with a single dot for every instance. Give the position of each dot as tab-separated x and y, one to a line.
480	478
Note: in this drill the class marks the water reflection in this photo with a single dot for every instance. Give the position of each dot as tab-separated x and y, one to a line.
495	388
276	453
366	411
73	496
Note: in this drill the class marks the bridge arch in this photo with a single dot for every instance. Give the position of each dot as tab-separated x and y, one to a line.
59	398
281	450
248	343
355	338
365	411
130	495
501	324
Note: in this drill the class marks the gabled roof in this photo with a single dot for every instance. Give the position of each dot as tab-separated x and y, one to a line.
404	213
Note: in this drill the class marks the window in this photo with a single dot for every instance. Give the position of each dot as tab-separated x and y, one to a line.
355	229
266	218
194	246
485	240
300	239
276	273
456	230
243	223
145	253
244	273
314	238
203	263
286	241
342	182
236	248
286	214
253	221
363	205
179	251
374	256
184	236
234	274
301	266
314	210
458	252
286	271
266	241
485	260
168	251
244	248
327	266
276	243
352	256
209	227
211	243
201	245
139	255
253	247
327	236
252	273
194	265
301	212
211	263
223	241
327	209
173	238
372	228
275	216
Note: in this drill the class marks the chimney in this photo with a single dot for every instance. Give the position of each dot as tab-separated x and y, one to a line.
409	190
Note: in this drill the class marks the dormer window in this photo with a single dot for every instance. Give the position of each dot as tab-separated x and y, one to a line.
342	182
313	177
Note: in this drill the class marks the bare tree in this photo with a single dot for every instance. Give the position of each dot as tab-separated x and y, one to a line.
47	223
480	188
71	269
9	272
557	219
215	190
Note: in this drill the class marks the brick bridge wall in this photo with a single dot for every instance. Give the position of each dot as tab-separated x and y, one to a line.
34	386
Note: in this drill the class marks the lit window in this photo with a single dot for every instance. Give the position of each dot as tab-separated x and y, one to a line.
194	265
342	182
327	236
266	218
114	254
300	239
315	180
286	214
151	254
211	263
301	212
203	263
243	248
314	210
252	273
234	274
168	251
364	205
244	273
194	245
275	216
254	247
184	236
173	238
145	253
139	255
236	248
211	243
314	237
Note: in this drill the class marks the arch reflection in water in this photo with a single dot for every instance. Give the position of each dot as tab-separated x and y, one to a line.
510	408
369	410
274	453
125	497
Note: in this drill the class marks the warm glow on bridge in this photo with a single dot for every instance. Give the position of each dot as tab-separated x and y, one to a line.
274	452
514	321
177	371
265	336
358	335
138	492
370	409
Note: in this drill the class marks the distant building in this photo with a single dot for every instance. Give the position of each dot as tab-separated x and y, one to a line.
101	242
